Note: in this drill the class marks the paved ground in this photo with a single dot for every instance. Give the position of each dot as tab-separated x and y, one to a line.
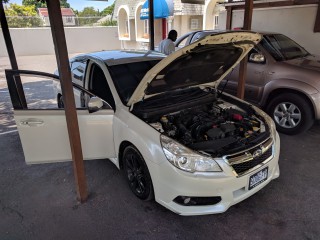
39	202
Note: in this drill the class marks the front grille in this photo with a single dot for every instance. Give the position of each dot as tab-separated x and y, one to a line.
245	166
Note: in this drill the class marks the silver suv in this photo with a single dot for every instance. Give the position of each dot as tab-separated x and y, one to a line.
282	78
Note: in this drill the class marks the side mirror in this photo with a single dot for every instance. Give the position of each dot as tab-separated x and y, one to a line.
257	58
95	104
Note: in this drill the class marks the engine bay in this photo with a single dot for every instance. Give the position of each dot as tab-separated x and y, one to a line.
216	127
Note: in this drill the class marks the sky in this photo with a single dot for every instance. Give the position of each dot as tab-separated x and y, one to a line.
80	4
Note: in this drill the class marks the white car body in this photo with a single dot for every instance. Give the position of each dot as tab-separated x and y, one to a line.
104	132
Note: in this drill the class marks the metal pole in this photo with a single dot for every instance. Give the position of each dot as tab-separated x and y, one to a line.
12	55
243	64
61	51
151	25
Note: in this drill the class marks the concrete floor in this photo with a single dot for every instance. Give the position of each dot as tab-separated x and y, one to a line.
39	201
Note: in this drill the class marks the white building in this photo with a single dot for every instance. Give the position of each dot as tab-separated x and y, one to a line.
134	32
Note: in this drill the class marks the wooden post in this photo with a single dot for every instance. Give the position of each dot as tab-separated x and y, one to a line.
12	56
248	15
243	64
229	18
317	22
151	25
61	51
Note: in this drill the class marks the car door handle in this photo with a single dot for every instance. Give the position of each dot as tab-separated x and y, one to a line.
31	122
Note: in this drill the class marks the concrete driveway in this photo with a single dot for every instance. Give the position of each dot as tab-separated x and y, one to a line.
39	201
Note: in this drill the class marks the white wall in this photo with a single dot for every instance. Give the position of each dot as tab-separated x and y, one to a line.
38	41
297	22
181	23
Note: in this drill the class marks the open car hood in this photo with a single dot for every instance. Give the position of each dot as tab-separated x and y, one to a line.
205	62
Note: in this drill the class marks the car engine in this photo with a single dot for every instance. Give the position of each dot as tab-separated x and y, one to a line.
205	121
212	128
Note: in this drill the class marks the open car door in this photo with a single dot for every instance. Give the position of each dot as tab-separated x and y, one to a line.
42	125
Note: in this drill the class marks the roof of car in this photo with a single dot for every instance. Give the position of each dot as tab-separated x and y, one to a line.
116	57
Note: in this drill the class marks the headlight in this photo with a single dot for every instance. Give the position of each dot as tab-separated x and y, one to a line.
186	159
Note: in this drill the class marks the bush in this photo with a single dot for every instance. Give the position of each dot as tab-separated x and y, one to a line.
109	23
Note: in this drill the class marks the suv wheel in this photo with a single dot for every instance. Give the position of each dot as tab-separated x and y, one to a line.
291	113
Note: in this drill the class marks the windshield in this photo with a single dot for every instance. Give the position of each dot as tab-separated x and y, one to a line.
126	77
282	48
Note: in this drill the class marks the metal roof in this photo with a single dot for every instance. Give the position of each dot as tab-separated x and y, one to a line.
64	12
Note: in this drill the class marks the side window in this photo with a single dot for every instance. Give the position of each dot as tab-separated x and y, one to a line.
78	68
99	86
42	91
196	37
39	89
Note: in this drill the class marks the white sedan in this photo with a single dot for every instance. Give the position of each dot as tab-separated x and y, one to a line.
161	120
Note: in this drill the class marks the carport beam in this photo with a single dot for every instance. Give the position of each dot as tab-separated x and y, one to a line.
61	51
243	64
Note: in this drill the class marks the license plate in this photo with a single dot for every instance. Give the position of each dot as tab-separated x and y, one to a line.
258	177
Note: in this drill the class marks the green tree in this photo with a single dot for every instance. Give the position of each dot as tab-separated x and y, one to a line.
88	12
64	3
40	4
22	16
108	10
88	16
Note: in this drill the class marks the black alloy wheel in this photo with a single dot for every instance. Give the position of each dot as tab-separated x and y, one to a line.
137	174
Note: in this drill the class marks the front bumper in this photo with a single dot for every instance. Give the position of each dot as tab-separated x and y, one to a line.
171	182
315	98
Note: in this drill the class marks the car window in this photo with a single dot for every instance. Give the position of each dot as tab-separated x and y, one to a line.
78	68
126	77
282	48
182	43
40	92
99	86
200	35
197	36
183	40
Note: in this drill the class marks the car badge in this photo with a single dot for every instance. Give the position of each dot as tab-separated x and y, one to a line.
257	153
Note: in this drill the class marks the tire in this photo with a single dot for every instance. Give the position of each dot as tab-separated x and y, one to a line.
137	173
60	101
291	113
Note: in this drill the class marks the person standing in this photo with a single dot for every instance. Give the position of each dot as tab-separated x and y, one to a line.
166	46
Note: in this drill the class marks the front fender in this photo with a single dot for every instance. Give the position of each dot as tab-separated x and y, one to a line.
146	139
291	84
